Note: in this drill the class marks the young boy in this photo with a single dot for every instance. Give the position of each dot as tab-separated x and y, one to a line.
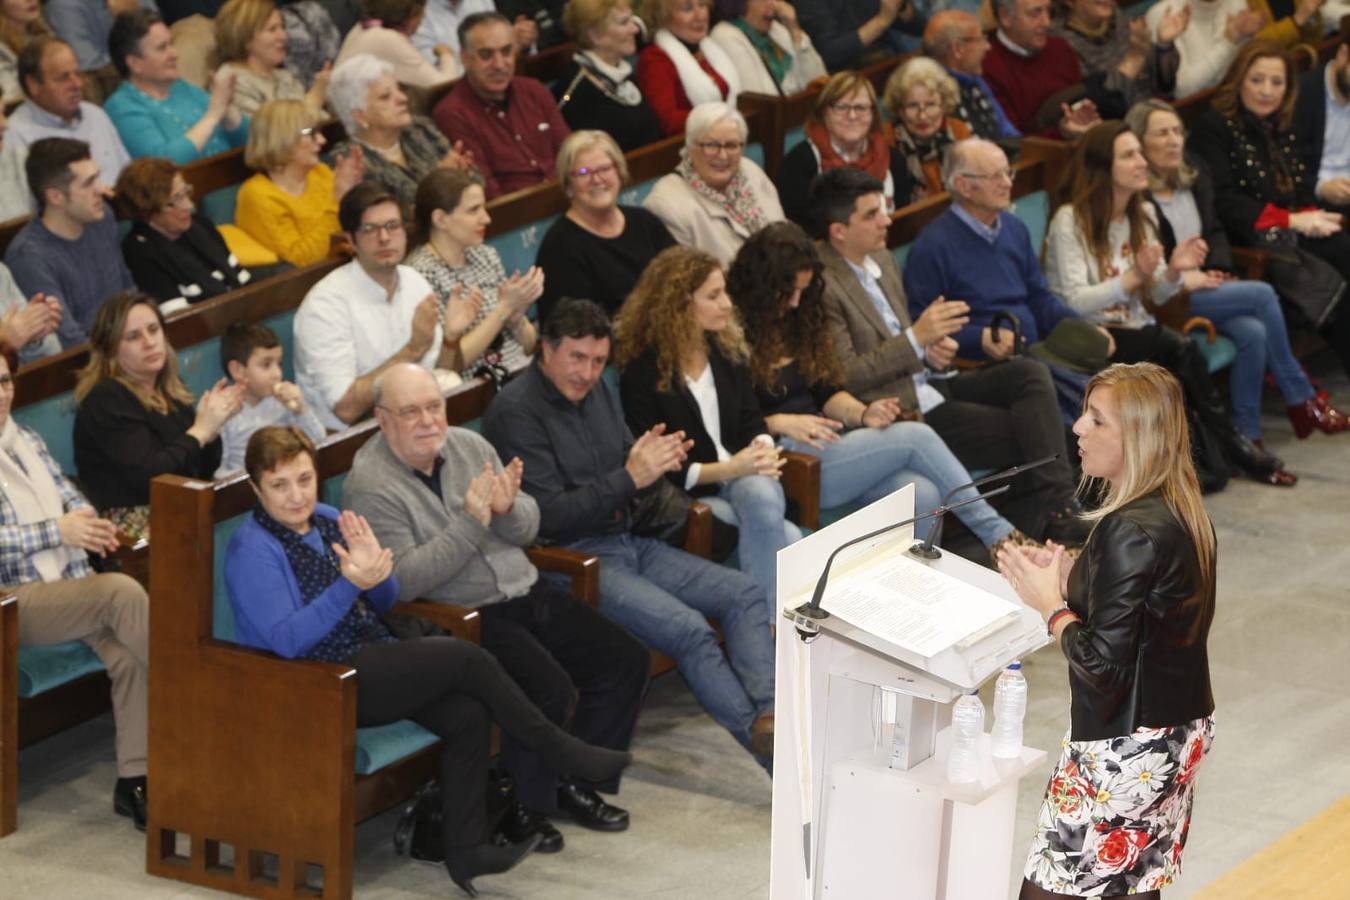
251	355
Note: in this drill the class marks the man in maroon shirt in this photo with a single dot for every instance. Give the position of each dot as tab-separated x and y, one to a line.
1036	78
511	123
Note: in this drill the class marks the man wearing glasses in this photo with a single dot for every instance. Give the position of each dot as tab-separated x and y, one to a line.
368	315
953	38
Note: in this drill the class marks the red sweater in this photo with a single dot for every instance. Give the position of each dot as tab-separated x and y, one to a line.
661	87
1021	84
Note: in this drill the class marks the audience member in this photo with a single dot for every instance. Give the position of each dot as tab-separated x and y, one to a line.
456	520
47	530
844	128
55	106
365	316
598	91
440	26
134	417
1263	187
866	450
156	112
16	200
851	34
306	582
20	22
251	356
596	249
251	45
399	149
174	254
312	37
683	355
1322	127
1211	39
508	122
1182	191
27	325
467	275
715	198
291	205
1102	256
991	418
683	67
771	52
84	25
386	33
537	23
954	38
921	99
588	473
69	249
1035	77
343	13
1131	58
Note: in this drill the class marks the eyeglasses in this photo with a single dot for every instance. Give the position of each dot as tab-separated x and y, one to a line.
410	414
1001	173
712	148
600	171
916	108
391	228
860	110
308	132
180	198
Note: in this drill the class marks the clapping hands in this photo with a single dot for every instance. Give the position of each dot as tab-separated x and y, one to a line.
493	493
362	562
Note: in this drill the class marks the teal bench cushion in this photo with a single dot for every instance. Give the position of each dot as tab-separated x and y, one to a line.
46	667
54	419
384	744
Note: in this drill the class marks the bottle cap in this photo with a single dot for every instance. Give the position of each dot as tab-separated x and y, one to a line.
1015	664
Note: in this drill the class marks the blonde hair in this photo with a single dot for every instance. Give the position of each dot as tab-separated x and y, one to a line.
925	72
840	85
274	133
580	16
236	24
578	142
1138	118
105	337
1156	450
656	13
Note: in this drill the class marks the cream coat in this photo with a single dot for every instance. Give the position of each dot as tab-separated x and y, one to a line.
755	78
696	221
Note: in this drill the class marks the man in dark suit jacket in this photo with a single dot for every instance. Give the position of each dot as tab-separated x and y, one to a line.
991	418
1322	121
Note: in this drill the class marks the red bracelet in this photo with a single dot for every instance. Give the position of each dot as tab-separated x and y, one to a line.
1055	617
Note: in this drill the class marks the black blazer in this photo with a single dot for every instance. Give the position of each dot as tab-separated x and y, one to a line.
1139	657
1310	118
738	410
196	267
1211	229
799	167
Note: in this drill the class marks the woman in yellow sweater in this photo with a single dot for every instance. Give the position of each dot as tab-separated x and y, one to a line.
291	205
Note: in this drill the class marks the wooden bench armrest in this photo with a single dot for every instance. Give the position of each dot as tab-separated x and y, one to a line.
698	535
1202	323
1251	262
462	622
582	568
801	482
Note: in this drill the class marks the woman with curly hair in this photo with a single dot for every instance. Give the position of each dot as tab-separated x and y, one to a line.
685	362
865	453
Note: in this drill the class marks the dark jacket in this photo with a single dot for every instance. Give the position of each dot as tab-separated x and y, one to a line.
1310	118
584	103
1139	658
1211	229
196	267
738	410
833	28
800	166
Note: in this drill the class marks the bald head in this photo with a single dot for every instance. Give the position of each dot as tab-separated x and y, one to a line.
976	172
953	38
411	411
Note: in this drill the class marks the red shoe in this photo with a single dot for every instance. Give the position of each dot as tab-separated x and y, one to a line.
1317	413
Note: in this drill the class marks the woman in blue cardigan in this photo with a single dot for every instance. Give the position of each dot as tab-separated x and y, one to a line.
307	582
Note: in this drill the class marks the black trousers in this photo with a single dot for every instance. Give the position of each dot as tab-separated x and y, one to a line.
1004	414
1335	249
583	671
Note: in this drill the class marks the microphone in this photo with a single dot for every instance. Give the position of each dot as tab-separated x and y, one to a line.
925	549
812	610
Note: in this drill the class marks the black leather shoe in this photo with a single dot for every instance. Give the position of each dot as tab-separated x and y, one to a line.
129	800
585	807
519	824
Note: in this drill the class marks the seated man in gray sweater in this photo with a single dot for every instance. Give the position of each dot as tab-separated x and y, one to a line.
456	520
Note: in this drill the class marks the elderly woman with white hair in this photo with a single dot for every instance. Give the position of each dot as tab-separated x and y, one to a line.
599	91
715	198
400	149
921	99
596	249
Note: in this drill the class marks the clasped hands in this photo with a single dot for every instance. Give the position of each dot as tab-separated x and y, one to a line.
1039	575
492	493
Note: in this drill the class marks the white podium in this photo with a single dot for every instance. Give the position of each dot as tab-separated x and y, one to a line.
847	825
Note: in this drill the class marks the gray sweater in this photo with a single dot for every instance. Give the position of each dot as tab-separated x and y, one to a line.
440	552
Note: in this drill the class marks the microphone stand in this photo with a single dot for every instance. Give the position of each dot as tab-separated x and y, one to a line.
925	549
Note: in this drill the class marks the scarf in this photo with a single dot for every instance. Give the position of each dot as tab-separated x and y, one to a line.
775	58
614	81
738	201
31	489
875	161
698	84
924	158
314	572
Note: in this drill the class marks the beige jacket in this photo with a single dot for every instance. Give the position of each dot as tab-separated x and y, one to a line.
696	221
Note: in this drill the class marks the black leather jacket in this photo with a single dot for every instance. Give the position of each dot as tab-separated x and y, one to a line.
1138	659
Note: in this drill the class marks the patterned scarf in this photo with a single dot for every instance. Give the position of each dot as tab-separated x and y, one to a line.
777	60
976	109
875	161
924	157
736	199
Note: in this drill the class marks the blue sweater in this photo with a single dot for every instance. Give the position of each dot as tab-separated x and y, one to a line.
950	259
150	127
265	597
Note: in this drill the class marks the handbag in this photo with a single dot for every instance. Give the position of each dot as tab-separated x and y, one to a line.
662	512
1307	282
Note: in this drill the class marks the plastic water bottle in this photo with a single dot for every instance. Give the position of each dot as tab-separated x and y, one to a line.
963	765
1010	707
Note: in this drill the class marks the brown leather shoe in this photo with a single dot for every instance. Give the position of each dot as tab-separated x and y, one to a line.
1317	414
761	736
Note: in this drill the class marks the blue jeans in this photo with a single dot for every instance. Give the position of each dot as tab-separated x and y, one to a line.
663	595
1249	313
756	505
866	464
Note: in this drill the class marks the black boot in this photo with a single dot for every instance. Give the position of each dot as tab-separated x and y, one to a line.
129	799
466	863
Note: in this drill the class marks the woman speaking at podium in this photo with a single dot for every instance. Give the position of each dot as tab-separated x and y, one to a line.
1132	615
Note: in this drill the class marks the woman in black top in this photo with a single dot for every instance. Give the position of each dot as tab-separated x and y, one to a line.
1132	615
172	252
597	249
134	417
598	91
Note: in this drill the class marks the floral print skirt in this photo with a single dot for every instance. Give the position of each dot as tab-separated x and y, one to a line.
1117	811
